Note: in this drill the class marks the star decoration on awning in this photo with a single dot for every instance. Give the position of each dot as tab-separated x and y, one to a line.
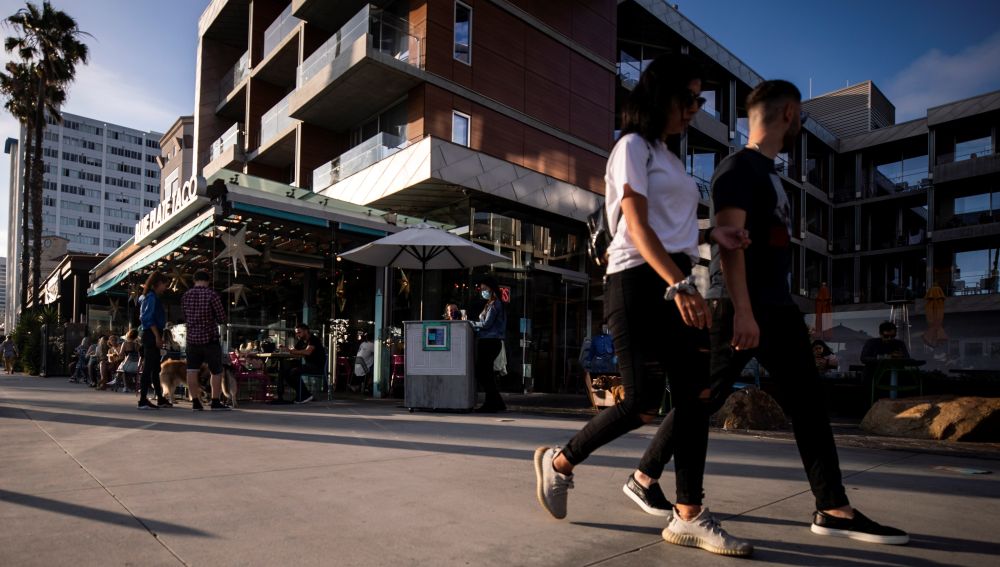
341	294
115	308
237	249
238	291
404	283
178	279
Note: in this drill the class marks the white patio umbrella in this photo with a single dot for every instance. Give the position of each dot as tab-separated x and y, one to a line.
423	247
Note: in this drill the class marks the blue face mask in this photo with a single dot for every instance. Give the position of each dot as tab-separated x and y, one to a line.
486	294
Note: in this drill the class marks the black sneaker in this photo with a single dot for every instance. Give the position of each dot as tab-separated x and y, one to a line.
164	403
860	528
218	405
651	500
196	405
145	404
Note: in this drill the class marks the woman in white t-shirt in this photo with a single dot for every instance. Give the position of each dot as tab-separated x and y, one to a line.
658	320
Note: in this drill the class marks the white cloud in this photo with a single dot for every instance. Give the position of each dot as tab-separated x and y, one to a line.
936	78
108	94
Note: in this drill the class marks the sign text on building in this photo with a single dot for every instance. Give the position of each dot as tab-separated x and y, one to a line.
176	201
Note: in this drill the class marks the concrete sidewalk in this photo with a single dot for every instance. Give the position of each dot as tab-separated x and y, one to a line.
86	479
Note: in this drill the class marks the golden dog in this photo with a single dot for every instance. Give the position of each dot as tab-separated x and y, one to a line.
173	373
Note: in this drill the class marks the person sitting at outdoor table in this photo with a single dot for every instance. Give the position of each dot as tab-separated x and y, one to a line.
114	358
885	346
826	361
452	312
104	370
310	348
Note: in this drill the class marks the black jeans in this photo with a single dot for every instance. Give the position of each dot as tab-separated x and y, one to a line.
294	380
487	351
653	343
150	377
785	351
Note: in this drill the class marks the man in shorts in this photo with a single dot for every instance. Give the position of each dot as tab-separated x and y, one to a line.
203	313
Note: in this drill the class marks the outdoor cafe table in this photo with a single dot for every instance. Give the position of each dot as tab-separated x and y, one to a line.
893	365
281	359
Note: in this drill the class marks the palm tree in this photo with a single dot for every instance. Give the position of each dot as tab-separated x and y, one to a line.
48	40
17	85
17	88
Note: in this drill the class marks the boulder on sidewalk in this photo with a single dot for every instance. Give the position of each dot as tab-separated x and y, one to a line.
952	418
750	408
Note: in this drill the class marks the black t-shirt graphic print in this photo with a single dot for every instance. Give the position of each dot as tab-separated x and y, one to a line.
747	180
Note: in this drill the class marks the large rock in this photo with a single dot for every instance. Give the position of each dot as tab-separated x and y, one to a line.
750	408
961	418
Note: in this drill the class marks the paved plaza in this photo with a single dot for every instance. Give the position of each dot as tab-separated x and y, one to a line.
86	479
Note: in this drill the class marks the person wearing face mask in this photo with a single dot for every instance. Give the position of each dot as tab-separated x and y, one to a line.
490	331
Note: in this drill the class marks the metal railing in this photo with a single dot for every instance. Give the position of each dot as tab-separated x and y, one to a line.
275	121
629	70
278	30
365	154
966	153
232	137
386	34
231	78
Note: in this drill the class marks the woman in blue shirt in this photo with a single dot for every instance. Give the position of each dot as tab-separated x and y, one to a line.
152	318
490	331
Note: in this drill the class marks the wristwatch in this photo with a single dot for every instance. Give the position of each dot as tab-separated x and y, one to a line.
685	286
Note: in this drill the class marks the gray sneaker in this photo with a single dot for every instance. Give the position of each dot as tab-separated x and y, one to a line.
706	532
550	485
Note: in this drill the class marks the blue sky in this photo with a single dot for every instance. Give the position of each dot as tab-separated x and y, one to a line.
920	53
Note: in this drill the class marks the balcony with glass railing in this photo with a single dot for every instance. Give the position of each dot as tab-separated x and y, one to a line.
226	151
360	157
231	78
279	30
231	138
629	70
380	55
388	36
275	121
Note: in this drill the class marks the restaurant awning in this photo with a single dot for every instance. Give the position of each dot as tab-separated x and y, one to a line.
153	253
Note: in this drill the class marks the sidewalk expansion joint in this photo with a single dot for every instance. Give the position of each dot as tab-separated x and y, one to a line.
107	490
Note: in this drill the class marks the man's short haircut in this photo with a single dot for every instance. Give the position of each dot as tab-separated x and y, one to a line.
773	96
202	276
302	326
886	326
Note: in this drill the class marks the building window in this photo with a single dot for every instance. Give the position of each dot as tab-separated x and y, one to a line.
463	33
460	128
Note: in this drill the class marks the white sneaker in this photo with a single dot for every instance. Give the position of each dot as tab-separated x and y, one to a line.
705	532
305	401
551	485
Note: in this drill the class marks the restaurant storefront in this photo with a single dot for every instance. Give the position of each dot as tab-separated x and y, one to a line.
274	253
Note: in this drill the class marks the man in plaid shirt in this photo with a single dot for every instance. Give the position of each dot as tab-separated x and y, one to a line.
203	313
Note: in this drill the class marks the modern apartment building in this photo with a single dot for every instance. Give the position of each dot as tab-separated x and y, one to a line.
882	211
99	179
495	117
176	157
3	289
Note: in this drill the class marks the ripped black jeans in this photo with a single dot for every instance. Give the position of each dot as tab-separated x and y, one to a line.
653	343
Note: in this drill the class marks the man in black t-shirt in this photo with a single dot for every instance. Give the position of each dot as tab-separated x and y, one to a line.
753	314
310	348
